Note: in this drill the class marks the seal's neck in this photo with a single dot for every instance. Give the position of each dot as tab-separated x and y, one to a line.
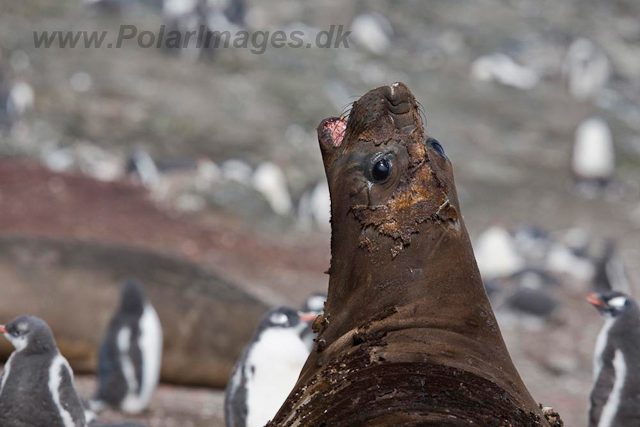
427	303
436	274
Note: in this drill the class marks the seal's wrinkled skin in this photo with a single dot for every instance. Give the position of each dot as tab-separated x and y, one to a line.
408	336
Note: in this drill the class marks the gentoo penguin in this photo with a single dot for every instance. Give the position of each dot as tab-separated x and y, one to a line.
530	292
5	117
268	369
314	208
525	298
36	389
586	69
373	31
615	398
570	256
593	160
535	302
130	355
532	243
141	165
497	254
206	19
271	182
314	303
21	99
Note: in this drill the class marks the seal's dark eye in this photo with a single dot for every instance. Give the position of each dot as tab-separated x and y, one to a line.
381	170
436	146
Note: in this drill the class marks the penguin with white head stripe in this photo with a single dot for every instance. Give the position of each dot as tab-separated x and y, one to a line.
36	388
268	369
615	398
130	356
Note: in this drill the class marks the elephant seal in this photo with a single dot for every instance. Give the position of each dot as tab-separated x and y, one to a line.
408	336
74	286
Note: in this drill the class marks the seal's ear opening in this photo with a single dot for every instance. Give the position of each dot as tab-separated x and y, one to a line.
331	133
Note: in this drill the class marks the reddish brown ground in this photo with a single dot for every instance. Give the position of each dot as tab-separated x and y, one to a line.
36	201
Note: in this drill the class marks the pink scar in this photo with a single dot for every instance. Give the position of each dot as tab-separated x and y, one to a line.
337	128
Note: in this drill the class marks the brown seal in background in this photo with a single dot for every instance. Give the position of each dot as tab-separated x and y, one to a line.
408	336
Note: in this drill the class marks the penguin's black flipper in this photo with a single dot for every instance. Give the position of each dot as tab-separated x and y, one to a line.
135	353
112	384
602	387
532	301
235	409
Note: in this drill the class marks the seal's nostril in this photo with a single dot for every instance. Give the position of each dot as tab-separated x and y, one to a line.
401	105
398	93
402	108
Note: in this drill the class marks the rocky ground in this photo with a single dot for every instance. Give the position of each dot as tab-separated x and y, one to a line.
172	406
510	146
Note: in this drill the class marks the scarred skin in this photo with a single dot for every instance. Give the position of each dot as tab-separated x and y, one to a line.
408	336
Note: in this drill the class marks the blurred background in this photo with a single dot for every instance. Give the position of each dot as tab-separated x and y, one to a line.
197	170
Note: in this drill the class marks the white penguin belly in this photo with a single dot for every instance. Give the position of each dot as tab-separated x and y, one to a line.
594	153
610	409
272	369
55	379
6	372
150	343
601	344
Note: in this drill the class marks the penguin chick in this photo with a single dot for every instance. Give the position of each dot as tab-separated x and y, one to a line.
130	356
268	369
615	397
36	389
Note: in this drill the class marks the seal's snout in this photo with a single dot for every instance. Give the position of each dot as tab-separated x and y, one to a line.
386	113
402	107
397	94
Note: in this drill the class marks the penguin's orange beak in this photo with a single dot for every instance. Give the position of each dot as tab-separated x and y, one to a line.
308	317
3	330
594	299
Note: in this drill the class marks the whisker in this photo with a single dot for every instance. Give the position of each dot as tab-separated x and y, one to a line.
346	110
422	114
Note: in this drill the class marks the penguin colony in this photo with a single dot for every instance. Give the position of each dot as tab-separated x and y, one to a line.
37	388
525	269
37	384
